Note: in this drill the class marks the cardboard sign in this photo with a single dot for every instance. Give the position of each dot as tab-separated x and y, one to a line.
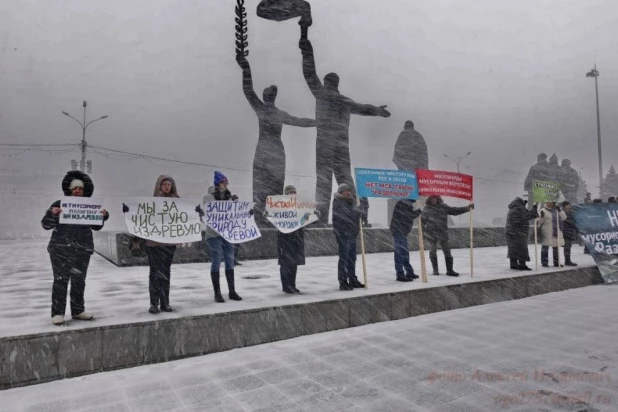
164	219
545	191
81	211
289	214
440	183
389	184
233	220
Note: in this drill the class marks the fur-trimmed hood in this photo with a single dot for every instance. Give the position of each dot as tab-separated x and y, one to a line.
157	189
76	174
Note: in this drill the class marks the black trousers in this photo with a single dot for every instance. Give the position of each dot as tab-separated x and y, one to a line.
288	275
160	261
69	265
567	250
346	268
545	255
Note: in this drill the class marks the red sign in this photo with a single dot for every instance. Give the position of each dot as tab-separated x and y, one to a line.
439	183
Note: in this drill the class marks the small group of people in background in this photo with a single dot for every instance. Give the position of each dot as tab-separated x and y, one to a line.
555	228
588	199
435	230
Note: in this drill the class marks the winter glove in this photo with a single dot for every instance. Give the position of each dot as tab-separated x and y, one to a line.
266	213
125	208
471	206
234	198
199	210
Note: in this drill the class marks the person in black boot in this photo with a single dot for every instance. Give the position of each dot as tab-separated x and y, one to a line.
516	232
401	225
160	256
551	222
435	229
70	248
291	252
220	249
236	251
570	233
346	225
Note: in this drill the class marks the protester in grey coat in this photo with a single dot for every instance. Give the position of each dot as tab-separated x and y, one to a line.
435	230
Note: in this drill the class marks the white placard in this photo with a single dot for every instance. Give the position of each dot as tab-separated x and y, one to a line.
164	219
233	220
81	211
289	214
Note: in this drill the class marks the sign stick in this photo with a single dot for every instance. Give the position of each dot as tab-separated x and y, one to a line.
536	243
471	244
421	249
558	236
362	238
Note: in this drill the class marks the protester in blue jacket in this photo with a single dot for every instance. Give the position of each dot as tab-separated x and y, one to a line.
220	249
346	225
401	226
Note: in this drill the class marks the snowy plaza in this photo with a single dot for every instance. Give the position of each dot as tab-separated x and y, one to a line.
555	352
120	295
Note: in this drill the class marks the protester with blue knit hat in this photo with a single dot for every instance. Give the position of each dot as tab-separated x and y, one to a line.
220	249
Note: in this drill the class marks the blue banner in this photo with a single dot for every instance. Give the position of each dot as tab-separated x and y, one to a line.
597	225
391	184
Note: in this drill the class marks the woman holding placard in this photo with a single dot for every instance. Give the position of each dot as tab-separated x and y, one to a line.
291	252
551	224
160	256
220	249
70	248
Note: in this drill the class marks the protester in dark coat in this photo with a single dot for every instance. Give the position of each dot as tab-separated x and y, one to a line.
346	225
516	231
70	248
401	225
220	249
435	230
160	256
570	233
291	253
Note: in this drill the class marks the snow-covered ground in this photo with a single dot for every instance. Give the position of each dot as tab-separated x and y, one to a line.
120	295
555	352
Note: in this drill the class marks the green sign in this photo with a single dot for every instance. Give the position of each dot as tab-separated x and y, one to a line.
543	192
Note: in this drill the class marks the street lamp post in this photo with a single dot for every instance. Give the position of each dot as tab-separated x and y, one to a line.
595	73
458	160
84	126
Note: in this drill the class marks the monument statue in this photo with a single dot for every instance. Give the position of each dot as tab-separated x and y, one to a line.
410	150
553	172
569	179
280	10
333	109
269	159
332	116
539	171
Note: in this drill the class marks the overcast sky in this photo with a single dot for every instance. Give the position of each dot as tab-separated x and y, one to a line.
504	79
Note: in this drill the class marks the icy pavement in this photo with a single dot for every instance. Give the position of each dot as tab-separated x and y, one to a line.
120	295
555	352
